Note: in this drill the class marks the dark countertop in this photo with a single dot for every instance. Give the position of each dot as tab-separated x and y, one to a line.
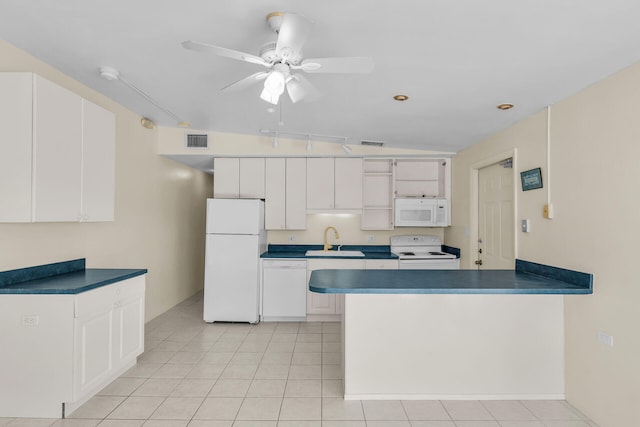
298	251
68	277
528	278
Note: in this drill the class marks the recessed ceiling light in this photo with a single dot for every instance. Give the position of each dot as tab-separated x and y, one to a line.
504	106
401	97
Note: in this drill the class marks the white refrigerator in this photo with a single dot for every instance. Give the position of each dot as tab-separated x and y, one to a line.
234	241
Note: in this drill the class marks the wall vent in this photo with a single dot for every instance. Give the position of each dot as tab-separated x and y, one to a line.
197	140
372	143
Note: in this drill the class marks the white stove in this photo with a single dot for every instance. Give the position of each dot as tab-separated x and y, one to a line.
422	252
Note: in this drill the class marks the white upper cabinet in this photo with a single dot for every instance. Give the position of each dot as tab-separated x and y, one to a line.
348	183
377	195
275	198
285	194
423	178
239	178
62	168
16	128
98	162
296	194
58	152
334	184
226	178
252	178
320	183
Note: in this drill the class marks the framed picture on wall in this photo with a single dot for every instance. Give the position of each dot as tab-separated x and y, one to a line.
531	179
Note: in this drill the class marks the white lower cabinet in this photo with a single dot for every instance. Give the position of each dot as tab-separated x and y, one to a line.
108	331
66	348
328	306
380	264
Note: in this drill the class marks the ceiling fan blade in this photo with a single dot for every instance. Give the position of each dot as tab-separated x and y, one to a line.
246	82
348	65
292	35
223	51
298	88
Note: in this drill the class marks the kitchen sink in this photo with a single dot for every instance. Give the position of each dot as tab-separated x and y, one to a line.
334	253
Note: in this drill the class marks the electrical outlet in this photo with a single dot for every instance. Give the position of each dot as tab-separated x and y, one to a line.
371	238
526	226
292	238
32	320
606	339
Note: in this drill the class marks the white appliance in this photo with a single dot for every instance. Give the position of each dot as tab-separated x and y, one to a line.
234	241
284	290
418	212
422	252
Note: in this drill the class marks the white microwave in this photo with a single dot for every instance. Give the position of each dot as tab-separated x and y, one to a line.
418	212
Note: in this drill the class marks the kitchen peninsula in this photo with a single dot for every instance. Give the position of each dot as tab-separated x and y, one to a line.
463	334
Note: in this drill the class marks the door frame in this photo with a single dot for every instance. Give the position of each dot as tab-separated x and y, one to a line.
473	206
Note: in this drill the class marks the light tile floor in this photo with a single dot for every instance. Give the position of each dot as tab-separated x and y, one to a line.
269	375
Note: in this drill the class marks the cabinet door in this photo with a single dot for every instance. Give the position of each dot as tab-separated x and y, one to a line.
58	152
98	162
348	183
321	303
93	350
128	334
226	178
296	194
320	179
328	303
15	149
346	264
252	178
274	204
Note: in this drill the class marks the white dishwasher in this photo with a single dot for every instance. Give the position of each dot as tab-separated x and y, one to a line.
284	290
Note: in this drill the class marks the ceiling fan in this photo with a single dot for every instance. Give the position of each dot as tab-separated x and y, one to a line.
284	56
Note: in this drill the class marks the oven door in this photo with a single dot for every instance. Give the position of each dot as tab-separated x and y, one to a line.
429	264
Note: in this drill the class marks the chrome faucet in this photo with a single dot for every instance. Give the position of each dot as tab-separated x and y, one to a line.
327	246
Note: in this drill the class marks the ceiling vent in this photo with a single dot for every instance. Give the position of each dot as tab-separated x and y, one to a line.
197	140
372	143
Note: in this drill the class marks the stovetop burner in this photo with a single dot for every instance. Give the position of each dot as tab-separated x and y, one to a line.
418	247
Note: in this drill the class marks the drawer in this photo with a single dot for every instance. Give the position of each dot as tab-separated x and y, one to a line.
103	298
381	264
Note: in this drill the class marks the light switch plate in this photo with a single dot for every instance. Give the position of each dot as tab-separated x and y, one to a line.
525	225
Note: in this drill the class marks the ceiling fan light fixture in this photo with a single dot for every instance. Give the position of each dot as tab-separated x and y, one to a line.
275	82
401	97
504	107
269	96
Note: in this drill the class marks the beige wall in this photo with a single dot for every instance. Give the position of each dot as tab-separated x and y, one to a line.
159	210
595	189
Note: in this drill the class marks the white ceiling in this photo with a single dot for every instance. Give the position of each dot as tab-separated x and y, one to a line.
455	59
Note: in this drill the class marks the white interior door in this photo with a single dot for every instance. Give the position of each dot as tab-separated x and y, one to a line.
496	236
